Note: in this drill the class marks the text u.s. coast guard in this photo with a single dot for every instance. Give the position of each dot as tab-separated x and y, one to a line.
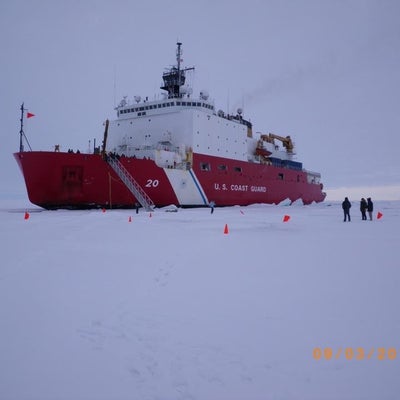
239	188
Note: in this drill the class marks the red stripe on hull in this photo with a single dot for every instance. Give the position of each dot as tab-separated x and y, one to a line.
70	180
243	183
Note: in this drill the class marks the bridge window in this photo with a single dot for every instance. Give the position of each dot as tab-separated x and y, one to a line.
205	167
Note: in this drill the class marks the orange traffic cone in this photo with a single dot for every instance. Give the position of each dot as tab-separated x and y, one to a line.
103	210
26	216
286	218
379	215
130	219
150	215
226	230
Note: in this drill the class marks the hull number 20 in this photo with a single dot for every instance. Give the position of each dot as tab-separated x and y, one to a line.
152	183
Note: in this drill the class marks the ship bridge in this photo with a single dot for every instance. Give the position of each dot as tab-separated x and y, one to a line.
157	107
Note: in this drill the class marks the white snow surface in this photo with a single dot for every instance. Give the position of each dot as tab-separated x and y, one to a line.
168	306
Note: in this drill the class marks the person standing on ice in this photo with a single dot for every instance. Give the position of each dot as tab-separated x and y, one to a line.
370	207
346	205
212	205
363	209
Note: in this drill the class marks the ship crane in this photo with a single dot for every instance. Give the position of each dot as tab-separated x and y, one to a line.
286	141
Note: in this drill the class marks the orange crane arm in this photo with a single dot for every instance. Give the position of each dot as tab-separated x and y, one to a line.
286	141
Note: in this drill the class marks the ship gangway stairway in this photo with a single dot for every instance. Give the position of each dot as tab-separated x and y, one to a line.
133	186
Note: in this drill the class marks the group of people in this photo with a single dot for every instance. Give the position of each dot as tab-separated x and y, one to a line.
365	206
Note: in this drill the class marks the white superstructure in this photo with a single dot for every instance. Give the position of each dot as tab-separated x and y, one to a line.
181	125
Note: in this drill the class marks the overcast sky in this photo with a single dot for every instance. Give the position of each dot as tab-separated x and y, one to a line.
325	72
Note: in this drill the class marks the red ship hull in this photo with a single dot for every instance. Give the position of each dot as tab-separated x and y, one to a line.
70	180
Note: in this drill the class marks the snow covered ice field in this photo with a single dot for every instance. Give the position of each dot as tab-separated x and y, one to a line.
168	307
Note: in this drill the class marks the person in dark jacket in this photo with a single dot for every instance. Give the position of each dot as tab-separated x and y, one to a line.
363	209
212	205
346	205
370	207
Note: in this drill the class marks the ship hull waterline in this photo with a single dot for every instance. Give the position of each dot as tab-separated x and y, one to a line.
79	181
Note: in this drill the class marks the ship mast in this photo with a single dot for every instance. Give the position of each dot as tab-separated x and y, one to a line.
178	58
175	77
21	131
